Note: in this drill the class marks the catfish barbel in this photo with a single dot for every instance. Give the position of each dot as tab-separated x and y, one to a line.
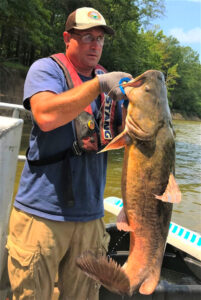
148	189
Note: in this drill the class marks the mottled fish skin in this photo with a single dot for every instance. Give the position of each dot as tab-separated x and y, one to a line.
149	160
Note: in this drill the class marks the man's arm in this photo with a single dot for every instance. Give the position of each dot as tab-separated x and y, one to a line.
51	110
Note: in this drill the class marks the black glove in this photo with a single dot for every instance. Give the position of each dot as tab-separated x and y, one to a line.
109	84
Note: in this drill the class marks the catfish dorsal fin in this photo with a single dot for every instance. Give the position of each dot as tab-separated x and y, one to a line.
120	141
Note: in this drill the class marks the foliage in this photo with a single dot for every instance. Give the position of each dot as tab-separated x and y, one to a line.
171	80
15	66
187	95
180	66
21	22
33	29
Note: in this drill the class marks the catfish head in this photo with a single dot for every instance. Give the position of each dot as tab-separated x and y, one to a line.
148	108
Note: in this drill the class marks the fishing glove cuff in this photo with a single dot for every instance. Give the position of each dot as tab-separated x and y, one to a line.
109	84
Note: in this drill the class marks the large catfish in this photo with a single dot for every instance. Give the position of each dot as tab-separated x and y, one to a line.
148	189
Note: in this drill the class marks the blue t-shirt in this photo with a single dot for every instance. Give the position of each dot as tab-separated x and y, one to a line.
44	190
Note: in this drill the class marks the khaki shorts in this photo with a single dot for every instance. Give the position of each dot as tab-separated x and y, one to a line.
40	248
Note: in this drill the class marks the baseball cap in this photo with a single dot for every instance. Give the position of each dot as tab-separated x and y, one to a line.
85	18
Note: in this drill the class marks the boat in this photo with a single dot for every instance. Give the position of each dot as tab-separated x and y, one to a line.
181	269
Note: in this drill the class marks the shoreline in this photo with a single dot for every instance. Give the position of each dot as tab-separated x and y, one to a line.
177	115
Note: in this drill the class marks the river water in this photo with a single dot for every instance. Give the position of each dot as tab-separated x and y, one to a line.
188	173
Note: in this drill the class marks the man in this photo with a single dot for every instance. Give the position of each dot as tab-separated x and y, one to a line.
58	209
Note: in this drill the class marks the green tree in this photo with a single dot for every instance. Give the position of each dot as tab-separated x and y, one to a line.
32	29
187	95
20	27
171	81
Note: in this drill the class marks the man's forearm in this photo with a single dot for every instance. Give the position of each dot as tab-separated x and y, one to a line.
51	110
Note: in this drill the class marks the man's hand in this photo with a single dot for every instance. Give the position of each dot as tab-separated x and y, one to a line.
109	84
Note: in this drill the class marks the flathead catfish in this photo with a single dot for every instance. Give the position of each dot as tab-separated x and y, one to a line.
148	189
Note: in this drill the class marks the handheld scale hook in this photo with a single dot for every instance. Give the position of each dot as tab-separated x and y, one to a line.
123	81
120	85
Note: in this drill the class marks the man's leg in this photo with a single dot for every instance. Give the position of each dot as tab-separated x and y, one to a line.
35	247
73	283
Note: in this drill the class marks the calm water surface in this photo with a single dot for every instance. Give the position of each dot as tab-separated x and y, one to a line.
188	173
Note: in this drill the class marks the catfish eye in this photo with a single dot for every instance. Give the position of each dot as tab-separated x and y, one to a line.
147	88
161	76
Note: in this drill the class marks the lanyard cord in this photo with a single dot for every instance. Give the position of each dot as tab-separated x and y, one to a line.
99	111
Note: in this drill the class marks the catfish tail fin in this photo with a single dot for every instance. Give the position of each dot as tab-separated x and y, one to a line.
106	271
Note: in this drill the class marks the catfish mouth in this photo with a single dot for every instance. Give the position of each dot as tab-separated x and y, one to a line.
134	130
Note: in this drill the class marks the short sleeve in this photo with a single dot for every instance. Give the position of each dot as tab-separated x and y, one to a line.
43	75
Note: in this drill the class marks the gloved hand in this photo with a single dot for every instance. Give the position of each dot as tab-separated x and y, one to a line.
109	84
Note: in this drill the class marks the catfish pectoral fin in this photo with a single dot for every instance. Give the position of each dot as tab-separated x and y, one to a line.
120	141
122	221
172	193
105	271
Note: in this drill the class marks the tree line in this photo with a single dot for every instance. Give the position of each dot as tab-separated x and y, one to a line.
33	29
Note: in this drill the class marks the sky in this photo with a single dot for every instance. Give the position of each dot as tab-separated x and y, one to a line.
182	20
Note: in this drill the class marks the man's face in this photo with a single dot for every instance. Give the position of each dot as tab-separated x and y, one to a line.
84	47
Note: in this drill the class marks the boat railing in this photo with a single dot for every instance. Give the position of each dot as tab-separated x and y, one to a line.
10	137
16	109
178	236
